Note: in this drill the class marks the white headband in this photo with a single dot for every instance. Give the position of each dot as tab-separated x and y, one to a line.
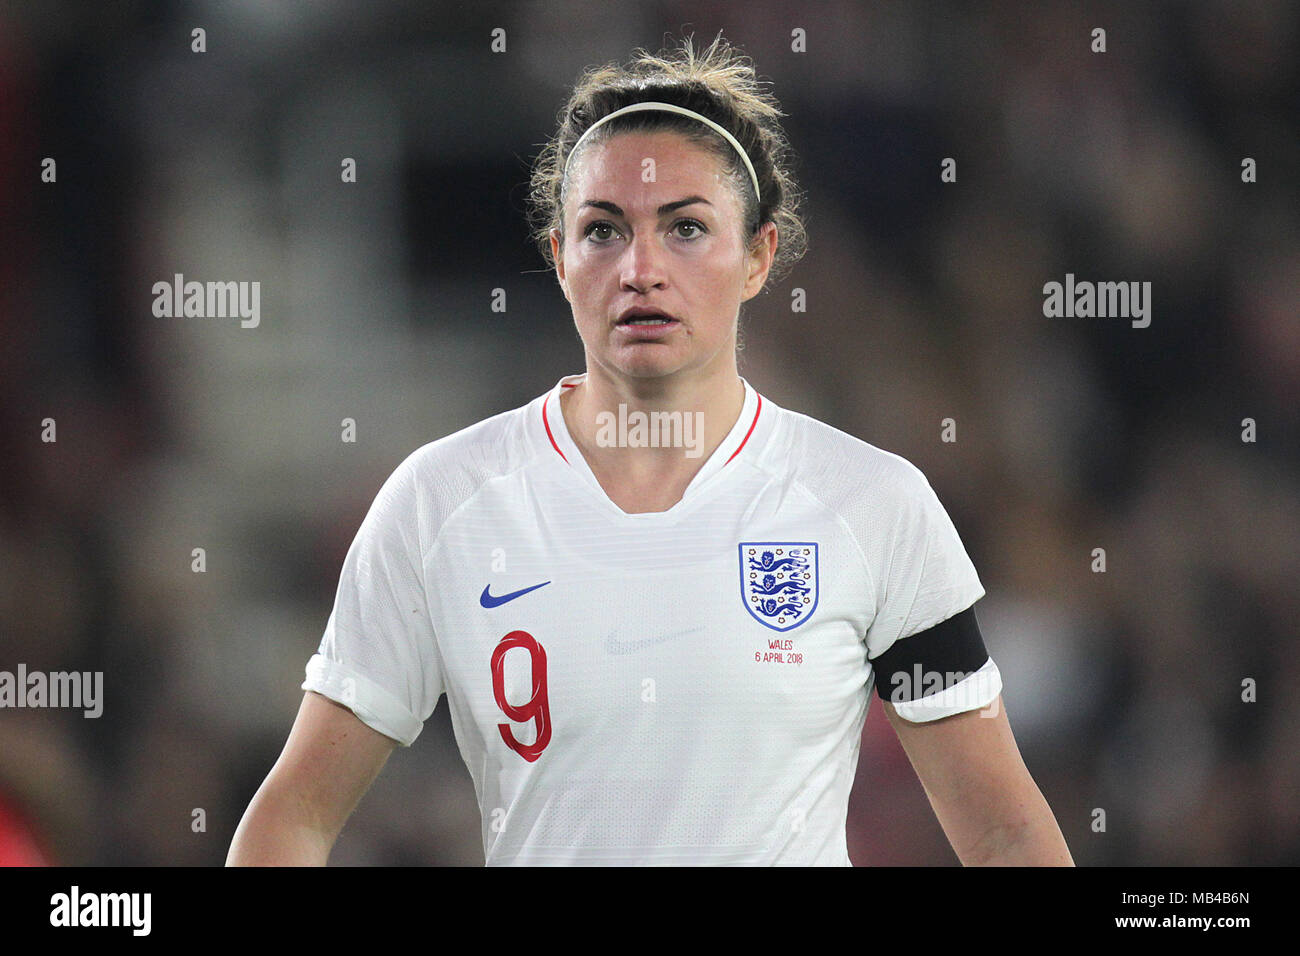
669	108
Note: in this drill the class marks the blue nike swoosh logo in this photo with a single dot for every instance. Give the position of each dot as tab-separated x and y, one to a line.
487	600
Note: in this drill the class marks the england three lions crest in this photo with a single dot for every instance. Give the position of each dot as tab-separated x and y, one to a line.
778	582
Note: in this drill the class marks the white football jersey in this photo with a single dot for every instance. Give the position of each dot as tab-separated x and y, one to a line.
683	687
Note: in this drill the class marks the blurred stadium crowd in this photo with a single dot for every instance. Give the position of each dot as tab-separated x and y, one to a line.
924	302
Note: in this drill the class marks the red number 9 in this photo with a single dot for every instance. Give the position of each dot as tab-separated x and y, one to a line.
537	708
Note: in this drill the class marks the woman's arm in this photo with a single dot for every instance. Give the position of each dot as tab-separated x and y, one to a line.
980	789
327	765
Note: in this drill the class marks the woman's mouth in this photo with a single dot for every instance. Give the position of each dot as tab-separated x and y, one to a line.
640	323
647	326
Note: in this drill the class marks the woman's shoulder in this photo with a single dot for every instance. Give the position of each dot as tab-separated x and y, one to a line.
495	445
832	459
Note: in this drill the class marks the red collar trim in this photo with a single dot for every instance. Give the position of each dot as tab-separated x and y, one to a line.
548	430
748	433
757	411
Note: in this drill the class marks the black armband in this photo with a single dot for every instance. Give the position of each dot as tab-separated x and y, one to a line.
931	660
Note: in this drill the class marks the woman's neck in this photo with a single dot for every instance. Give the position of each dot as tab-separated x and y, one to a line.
646	439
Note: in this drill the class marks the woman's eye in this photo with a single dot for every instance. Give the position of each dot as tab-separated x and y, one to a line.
689	229
600	231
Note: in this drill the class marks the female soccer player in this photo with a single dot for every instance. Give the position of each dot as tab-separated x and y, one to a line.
657	602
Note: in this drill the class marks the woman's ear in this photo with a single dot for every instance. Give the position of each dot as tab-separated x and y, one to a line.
761	253
557	256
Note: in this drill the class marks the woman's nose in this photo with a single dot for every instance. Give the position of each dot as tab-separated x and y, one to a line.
643	265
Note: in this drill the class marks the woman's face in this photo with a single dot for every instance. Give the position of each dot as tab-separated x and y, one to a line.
668	251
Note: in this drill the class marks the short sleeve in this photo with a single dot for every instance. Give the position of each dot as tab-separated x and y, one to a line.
919	567
378	656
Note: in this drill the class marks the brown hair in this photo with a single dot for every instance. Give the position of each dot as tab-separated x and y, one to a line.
717	82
